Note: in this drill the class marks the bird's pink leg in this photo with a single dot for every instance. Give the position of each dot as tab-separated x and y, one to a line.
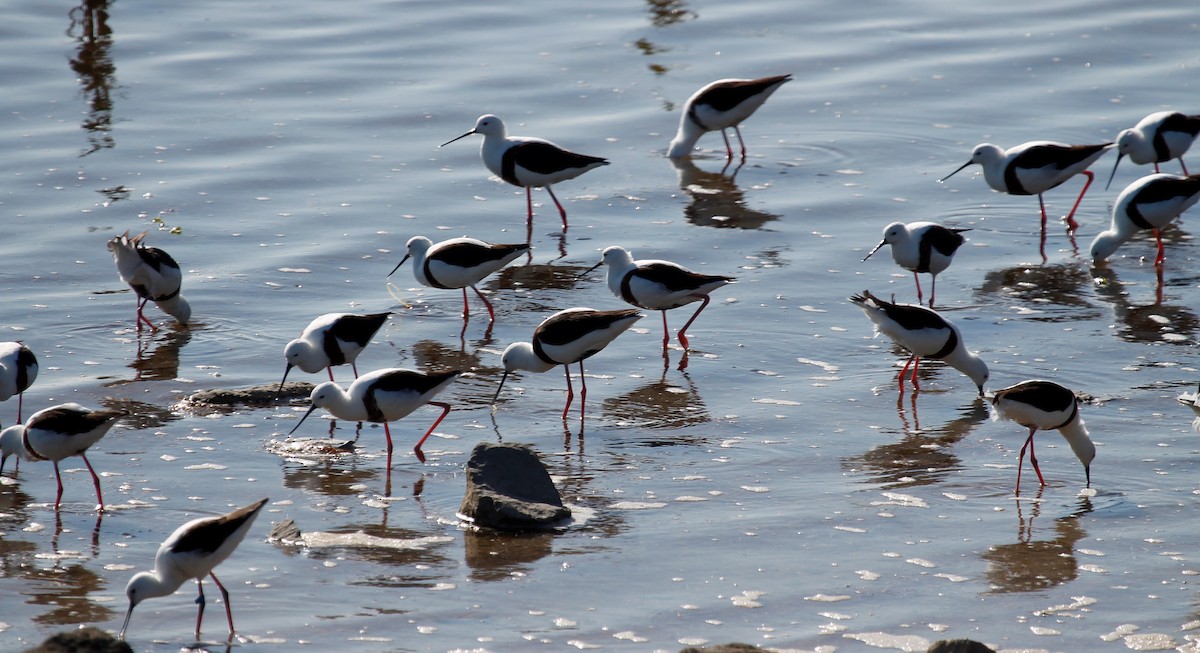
330	370
916	366
1032	459
486	303
582	391
1185	172
95	481
352	367
466	309
561	211
529	203
932	290
1161	254
225	598
387	433
682	338
141	317
1042	242
666	332
445	411
20	403
200	602
728	148
1071	224
570	391
904	371
741	141
57	477
1156	166
919	297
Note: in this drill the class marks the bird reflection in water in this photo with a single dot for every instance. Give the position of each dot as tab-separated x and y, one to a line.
59	530
93	65
922	456
1153	322
1029	565
659	405
664	13
64	592
1044	286
716	200
140	415
158	358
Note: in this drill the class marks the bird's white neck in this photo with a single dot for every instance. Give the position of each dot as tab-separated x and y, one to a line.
520	356
685	139
339	402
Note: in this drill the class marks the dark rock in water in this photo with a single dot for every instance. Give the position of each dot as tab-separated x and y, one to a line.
733	647
85	640
958	646
284	532
259	396
509	489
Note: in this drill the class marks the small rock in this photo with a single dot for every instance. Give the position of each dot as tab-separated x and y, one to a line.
958	646
732	647
85	640
509	489
284	532
259	396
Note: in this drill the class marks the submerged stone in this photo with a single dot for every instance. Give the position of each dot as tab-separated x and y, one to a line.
732	647
84	640
958	646
259	396
508	488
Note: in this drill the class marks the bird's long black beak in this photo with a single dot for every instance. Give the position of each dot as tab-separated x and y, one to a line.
398	265
281	381
497	395
125	625
960	168
456	138
310	410
588	271
881	244
1114	172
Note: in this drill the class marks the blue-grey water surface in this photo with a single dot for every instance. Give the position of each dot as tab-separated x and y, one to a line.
776	491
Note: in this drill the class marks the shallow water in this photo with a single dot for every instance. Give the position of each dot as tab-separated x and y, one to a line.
775	491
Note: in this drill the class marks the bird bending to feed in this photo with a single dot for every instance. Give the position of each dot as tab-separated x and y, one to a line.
56	433
1151	202
925	334
528	162
1157	138
568	336
658	285
1045	405
921	247
18	371
1035	167
459	263
153	275
191	553
331	339
384	396
720	105
1192	400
